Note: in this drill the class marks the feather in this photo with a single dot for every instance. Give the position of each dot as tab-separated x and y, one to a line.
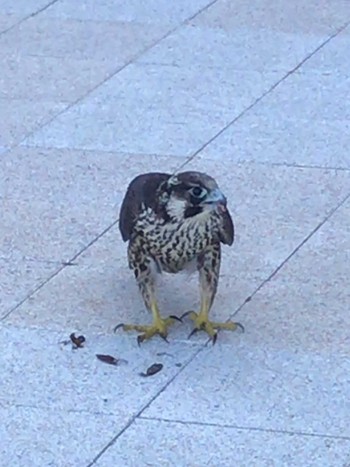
140	192
227	232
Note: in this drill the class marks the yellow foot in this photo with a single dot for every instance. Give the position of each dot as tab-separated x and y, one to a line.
202	323
159	326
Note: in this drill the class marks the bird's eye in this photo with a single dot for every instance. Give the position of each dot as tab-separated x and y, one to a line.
197	192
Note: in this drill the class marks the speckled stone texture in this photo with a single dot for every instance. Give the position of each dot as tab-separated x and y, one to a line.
253	93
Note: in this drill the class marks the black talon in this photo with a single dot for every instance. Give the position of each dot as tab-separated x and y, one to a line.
186	314
240	326
140	339
164	338
215	338
192	333
118	326
176	318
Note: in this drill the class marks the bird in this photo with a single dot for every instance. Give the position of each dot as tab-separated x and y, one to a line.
171	221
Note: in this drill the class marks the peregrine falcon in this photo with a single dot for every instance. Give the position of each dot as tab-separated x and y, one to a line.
171	221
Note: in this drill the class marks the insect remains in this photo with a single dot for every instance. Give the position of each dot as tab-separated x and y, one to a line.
152	370
110	359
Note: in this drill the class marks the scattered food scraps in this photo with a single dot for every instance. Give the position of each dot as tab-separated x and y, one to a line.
152	370
77	341
110	360
107	359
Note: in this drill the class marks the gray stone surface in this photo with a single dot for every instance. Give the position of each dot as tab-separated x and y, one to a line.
113	42
149	109
278	139
23	7
41	371
20	276
67	398
254	386
179	444
7	21
238	49
20	118
76	197
308	97
303	19
50	78
45	436
154	11
334	58
305	306
303	121
94	93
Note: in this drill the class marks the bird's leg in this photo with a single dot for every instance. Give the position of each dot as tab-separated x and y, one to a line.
160	325
209	268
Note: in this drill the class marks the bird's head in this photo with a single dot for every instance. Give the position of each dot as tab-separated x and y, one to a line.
189	194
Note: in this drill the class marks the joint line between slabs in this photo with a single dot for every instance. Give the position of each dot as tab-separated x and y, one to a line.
245	428
114	73
293	166
31	15
145	407
63	266
296	249
272	88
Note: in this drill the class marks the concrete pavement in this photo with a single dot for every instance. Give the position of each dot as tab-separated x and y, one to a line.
256	94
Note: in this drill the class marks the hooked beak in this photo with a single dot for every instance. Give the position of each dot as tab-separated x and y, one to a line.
217	198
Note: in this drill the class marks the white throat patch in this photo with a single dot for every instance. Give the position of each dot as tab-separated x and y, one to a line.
176	208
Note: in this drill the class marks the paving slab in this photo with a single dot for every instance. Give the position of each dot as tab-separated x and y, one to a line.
274	395
251	385
154	11
239	49
20	276
114	42
40	371
179	444
305	306
300	18
307	97
50	78
47	437
333	58
23	7
99	291
68	397
7	21
77	195
149	109
268	139
19	118
304	121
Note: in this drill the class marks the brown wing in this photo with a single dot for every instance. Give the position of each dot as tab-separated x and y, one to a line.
141	190
227	232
